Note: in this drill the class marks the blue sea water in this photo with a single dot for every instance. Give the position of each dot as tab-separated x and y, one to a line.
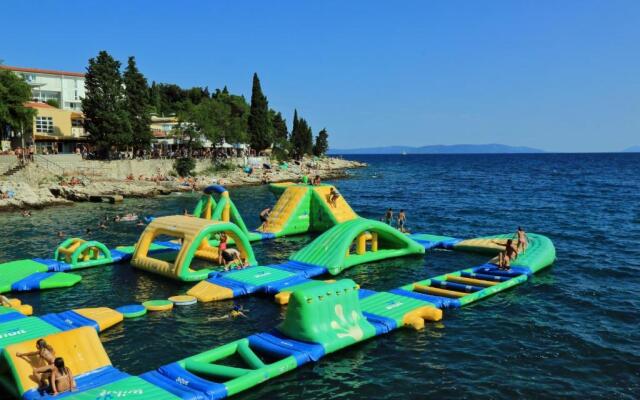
573	331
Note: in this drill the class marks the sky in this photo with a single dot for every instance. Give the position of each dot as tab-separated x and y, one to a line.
556	75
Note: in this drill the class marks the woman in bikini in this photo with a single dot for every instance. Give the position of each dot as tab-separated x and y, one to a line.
61	378
509	254
43	365
222	246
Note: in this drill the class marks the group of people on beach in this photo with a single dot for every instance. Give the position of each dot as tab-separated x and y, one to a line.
53	375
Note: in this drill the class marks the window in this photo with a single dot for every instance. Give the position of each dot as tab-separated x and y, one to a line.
76	123
44	124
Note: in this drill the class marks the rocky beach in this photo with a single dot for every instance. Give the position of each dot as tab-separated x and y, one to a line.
48	183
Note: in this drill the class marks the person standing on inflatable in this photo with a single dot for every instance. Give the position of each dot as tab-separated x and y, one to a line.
388	217
402	220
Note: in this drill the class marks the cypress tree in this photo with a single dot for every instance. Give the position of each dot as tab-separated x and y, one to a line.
137	96
308	139
258	124
280	131
280	136
296	137
322	143
104	105
155	98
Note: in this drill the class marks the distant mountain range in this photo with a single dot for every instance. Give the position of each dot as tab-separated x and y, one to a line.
440	149
632	149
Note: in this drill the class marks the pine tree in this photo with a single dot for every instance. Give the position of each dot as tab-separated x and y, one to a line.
322	143
137	96
104	105
259	125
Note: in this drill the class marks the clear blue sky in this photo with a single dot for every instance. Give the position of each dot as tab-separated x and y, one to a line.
557	75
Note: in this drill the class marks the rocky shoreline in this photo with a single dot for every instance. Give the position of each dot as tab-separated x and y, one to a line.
53	192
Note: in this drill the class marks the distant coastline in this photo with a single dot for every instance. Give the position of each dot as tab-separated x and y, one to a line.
441	149
458	149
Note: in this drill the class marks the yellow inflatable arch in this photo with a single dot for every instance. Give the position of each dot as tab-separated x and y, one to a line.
194	235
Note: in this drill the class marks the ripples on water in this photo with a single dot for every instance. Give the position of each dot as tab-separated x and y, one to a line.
571	331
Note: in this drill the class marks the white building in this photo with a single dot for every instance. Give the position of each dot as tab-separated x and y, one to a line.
67	88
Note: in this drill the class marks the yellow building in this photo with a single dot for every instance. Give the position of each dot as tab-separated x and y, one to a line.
56	130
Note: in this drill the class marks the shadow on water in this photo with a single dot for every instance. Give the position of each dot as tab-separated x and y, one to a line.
570	332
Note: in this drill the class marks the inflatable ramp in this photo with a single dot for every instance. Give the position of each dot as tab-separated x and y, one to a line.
303	208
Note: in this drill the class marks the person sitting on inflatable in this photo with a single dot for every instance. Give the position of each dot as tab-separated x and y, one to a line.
61	378
44	355
509	254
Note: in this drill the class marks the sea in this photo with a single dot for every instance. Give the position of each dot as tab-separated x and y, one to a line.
572	331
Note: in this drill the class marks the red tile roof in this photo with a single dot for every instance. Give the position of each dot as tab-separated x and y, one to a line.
42	71
35	104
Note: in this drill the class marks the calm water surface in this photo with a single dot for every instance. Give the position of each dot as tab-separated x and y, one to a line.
573	331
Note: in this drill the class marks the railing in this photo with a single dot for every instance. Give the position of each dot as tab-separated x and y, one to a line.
51	166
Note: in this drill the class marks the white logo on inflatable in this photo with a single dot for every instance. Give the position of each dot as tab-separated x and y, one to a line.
348	330
13	333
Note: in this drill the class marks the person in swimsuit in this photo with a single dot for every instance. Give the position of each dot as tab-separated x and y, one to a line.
222	246
4	301
61	378
388	217
232	256
522	240
509	254
236	312
45	355
316	181
264	216
402	220
334	195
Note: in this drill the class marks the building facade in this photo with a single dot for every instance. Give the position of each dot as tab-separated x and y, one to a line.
55	130
67	88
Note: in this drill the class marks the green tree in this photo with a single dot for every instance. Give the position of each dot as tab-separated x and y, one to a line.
281	145
104	105
155	98
322	143
137	100
53	103
297	147
258	124
306	137
14	92
301	137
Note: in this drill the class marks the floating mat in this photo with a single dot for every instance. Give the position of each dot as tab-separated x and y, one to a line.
9	314
132	310
183	300
158	305
22	329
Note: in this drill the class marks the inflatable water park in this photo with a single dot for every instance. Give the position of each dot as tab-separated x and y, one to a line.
324	313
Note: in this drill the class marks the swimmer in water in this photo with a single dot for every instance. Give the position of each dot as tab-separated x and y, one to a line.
236	312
